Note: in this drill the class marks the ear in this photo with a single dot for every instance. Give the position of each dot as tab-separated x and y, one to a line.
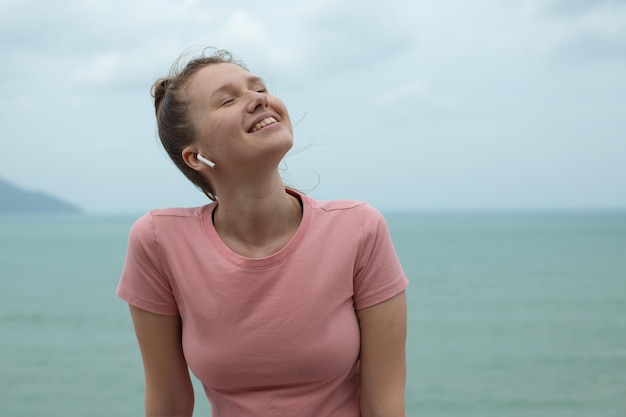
190	156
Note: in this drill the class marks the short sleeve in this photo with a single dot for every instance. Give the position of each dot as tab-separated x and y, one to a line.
143	283
379	275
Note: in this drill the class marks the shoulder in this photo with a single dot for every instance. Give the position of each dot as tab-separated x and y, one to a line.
164	220
362	210
176	212
173	214
338	205
353	218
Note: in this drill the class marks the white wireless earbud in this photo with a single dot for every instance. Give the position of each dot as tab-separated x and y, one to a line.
205	161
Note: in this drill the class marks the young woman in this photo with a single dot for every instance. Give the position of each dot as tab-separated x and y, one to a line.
279	304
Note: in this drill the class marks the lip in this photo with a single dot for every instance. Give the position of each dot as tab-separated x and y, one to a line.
262	117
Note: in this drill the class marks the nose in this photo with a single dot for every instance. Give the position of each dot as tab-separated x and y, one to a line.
257	100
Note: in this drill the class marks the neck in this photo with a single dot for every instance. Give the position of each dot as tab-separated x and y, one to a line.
257	219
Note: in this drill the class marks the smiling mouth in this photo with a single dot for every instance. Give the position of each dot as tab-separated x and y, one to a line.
265	122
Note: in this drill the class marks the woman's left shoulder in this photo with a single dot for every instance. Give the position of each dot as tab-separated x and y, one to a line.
356	209
336	205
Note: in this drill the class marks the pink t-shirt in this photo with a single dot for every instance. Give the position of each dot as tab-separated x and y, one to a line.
275	336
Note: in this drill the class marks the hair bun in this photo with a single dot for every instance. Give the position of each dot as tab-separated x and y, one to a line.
159	88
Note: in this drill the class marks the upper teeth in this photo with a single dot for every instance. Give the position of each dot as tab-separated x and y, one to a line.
263	123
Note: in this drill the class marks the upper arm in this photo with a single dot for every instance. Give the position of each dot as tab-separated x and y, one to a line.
383	358
169	391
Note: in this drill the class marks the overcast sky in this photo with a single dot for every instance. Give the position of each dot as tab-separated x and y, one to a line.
438	104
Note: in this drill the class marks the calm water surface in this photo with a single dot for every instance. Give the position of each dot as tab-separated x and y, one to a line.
510	314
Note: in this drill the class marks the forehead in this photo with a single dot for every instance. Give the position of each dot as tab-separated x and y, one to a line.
214	77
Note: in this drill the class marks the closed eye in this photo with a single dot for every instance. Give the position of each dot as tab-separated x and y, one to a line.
259	87
226	101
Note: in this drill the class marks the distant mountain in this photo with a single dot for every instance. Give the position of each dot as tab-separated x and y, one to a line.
15	200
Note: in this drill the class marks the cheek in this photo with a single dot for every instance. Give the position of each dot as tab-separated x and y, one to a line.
282	109
215	134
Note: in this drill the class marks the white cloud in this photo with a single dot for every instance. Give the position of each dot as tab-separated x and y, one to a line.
84	148
241	26
414	91
101	69
459	84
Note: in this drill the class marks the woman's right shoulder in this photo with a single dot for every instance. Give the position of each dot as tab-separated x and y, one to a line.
166	219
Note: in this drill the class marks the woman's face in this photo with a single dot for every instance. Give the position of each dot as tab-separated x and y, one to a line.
238	123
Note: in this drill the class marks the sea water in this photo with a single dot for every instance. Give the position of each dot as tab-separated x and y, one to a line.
510	314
